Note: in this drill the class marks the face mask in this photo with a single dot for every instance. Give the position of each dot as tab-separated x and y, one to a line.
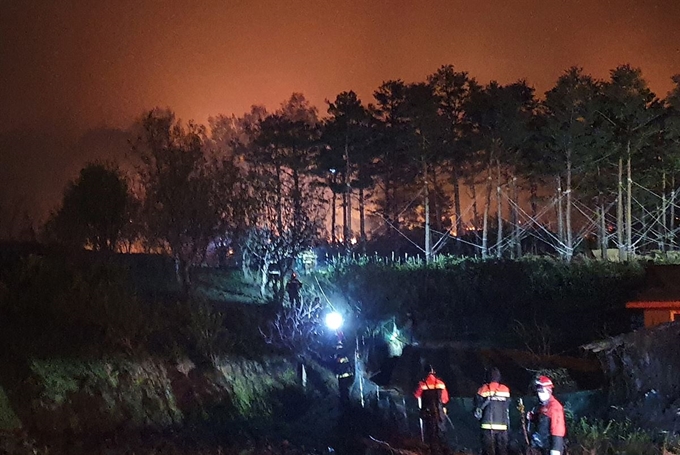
543	396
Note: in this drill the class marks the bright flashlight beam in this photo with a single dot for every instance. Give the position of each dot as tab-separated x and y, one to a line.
334	320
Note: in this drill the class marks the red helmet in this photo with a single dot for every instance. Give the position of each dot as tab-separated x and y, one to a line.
544	381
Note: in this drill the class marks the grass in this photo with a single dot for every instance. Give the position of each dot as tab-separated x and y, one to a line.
599	437
226	286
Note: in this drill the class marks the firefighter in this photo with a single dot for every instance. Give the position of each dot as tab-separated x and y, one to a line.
293	287
547	420
344	372
432	396
492	409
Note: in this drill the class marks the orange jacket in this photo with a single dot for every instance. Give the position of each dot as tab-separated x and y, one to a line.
433	383
549	429
555	412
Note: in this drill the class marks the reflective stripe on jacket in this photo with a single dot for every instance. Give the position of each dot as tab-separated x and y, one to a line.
494	398
343	367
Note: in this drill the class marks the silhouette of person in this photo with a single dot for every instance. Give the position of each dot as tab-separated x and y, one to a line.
293	287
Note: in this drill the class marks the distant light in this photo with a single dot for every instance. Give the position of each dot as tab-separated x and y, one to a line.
334	320
353	241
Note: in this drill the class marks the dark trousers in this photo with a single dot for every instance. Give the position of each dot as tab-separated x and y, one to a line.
494	442
344	385
432	434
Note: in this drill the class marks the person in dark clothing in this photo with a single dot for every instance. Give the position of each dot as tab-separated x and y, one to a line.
293	287
492	409
432	396
344	371
410	327
547	420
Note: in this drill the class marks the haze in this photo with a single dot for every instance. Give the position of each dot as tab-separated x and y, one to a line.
75	74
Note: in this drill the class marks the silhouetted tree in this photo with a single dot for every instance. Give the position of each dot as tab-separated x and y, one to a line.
347	135
94	210
671	139
287	215
631	111
187	198
571	141
453	90
501	117
394	173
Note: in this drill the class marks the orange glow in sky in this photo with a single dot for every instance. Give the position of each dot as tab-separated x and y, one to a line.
68	66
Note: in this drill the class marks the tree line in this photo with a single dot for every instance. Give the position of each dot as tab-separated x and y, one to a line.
591	159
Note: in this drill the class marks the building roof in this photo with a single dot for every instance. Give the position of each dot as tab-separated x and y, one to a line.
669	330
655	305
662	284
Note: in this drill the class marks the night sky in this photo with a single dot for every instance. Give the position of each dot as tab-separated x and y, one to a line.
75	74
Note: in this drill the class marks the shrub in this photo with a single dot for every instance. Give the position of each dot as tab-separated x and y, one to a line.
597	437
55	306
473	298
295	328
206	329
51	305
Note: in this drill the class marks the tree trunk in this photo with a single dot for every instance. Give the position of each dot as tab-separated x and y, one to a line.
499	212
603	232
560	217
517	240
435	203
297	208
264	276
279	200
659	226
643	229
333	217
511	216
362	217
475	211
182	275
245	265
533	190
428	243
487	205
387	188
671	224
186	276
178	270
629	207
664	209
348	189
344	217
619	215
570	240
456	201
